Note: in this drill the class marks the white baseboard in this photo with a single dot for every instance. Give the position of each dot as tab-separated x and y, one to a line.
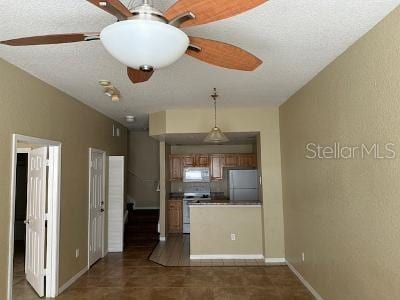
305	282
275	261
163	238
115	250
228	256
72	280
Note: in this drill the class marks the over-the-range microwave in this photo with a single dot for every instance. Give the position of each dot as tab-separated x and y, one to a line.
196	175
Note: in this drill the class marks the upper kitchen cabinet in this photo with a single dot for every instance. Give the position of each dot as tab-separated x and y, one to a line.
202	160
196	160
247	160
176	166
231	160
217	165
188	161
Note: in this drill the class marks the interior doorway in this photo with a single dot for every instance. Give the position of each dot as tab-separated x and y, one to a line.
97	168
34	223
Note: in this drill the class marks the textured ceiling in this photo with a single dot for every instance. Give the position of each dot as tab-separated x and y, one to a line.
295	38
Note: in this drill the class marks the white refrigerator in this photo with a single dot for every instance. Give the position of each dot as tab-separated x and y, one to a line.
243	185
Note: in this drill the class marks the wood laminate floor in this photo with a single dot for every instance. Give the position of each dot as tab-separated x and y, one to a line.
175	252
131	275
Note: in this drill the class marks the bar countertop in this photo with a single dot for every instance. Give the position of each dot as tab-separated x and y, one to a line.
225	203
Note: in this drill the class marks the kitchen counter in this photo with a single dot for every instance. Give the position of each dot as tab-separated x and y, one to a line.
225	203
231	230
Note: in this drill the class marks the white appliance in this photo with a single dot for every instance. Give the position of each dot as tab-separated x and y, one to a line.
196	174
191	195
243	185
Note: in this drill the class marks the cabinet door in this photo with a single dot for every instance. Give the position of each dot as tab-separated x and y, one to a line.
175	217
247	160
253	161
175	167
231	160
202	160
188	161
217	162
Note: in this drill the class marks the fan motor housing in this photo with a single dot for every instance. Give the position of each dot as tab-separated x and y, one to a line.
147	12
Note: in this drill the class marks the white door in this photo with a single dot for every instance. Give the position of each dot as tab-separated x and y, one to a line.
35	219
116	178
96	206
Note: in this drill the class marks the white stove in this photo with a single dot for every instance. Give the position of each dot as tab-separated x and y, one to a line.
191	195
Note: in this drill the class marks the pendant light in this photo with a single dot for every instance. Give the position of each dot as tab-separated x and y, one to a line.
216	135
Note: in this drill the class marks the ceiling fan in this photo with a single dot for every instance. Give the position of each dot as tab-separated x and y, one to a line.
145	39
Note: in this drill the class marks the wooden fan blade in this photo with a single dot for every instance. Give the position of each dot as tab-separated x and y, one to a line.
52	39
222	54
137	76
114	7
207	11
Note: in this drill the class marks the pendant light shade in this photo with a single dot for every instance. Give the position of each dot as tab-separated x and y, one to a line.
216	135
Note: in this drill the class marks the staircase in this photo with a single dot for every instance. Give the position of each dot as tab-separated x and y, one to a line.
141	229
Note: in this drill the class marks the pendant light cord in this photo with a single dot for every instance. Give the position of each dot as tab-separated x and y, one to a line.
215	112
215	96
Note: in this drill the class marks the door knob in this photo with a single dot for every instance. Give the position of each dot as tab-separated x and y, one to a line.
26	222
101	210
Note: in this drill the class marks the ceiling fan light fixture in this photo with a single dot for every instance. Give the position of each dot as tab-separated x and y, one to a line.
144	43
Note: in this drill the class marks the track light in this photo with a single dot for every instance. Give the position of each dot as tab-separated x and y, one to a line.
130	119
110	90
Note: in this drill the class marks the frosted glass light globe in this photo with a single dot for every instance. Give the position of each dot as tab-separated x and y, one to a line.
138	43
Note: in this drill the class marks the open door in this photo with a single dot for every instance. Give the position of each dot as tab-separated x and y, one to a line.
35	219
96	205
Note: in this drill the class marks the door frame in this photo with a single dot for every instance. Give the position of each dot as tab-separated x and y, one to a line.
53	221
104	153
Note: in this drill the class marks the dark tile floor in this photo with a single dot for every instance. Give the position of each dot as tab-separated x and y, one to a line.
130	275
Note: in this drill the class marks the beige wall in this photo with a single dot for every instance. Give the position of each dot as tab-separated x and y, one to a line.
211	229
143	169
165	187
31	107
264	120
344	214
211	149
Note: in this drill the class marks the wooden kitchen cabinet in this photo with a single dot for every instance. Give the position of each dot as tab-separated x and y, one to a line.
216	163
196	160
175	216
247	160
231	160
217	166
188	161
176	167
202	160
